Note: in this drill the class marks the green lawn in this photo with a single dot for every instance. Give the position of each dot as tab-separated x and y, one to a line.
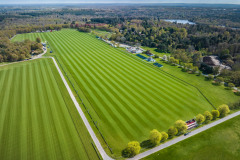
219	142
126	96
38	120
102	33
155	51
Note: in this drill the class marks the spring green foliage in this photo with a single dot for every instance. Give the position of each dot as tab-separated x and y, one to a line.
223	110
164	136
155	137
200	118
218	143
132	149
172	131
208	116
181	126
215	114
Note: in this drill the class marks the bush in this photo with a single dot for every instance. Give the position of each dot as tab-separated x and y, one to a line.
235	105
237	93
200	118
230	85
208	116
172	131
84	29
133	148
223	110
209	77
181	126
215	114
164	136
155	137
38	40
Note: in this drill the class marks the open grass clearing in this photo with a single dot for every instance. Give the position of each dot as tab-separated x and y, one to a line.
38	118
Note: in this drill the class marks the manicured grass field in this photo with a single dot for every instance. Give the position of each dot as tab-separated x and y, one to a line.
219	142
38	120
126	97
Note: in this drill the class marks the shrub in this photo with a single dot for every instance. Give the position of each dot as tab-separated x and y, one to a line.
237	93
230	85
209	77
181	126
200	118
155	137
223	110
215	114
133	148
164	136
208	116
172	131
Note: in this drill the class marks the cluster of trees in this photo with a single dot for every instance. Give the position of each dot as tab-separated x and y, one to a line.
180	127
84	29
222	111
187	43
17	51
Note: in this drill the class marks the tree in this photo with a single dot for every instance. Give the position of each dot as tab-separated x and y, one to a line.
164	136
123	39
216	70
172	60
223	110
172	131
219	80
208	116
133	148
155	137
181	126
215	114
195	69
189	65
231	85
210	77
38	40
1	58
200	118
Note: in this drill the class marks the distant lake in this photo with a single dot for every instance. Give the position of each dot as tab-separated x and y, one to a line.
179	21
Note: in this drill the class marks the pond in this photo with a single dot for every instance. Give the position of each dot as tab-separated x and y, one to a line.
179	21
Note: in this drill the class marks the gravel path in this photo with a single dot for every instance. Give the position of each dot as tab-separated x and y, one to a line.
91	132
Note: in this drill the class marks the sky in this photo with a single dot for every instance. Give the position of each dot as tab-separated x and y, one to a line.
118	1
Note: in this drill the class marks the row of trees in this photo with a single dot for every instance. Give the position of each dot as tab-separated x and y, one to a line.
180	127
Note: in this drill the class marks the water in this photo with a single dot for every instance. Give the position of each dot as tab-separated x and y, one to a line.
179	21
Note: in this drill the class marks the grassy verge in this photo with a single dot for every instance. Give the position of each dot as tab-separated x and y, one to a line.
219	142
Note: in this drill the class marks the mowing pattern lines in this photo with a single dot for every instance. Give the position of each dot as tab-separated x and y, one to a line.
34	120
130	98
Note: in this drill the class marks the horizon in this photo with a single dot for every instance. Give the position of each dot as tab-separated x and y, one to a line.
202	2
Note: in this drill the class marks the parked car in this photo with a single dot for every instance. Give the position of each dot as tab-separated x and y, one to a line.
187	133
